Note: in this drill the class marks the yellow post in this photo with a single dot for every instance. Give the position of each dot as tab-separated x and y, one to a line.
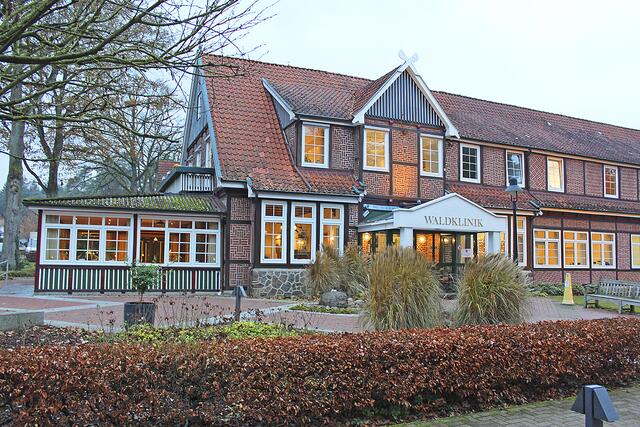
567	299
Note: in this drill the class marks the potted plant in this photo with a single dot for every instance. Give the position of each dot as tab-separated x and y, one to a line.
143	278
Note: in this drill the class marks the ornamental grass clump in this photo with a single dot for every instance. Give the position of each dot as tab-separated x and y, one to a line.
348	272
323	274
491	290
404	291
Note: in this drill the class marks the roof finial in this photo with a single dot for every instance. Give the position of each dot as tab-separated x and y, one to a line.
402	55
405	58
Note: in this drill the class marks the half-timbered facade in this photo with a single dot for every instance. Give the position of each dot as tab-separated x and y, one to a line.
296	158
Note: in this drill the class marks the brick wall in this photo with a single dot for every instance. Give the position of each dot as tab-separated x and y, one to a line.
574	176
493	166
343	147
576	224
546	221
451	151
603	225
405	181
239	274
581	277
431	188
593	179
537	172
376	183
623	250
404	146
240	247
632	227
547	276
240	208
628	183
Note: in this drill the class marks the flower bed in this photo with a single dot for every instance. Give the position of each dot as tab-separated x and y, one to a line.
315	378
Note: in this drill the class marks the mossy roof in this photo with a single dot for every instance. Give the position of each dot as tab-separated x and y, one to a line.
196	203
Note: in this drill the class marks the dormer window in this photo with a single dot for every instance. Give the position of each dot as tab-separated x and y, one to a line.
315	146
610	181
469	163
515	167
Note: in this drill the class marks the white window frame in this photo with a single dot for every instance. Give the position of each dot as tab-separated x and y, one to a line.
199	105
440	155
635	263
506	165
340	223
602	242
283	220
478	163
325	163
561	188
546	241
386	149
604	182
522	231
192	239
73	237
311	221
576	240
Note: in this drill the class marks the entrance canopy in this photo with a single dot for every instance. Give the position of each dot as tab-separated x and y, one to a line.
451	213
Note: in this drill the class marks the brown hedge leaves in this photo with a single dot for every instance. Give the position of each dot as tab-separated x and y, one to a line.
315	379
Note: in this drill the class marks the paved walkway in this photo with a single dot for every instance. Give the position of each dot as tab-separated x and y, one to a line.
546	414
94	311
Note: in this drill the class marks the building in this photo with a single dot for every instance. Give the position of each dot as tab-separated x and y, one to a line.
279	160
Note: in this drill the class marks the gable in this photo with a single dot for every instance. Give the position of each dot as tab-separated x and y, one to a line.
403	100
195	123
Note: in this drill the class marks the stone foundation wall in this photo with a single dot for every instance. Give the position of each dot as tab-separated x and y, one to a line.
278	283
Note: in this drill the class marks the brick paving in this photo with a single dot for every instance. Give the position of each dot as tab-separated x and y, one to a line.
105	311
545	414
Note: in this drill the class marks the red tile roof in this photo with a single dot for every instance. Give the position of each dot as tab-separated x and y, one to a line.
575	202
491	196
251	144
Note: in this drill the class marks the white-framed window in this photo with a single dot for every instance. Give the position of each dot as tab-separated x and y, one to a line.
179	240
515	167
303	232
603	250
576	252
331	225
522	239
376	149
635	251
315	146
273	245
546	245
86	238
469	163
198	105
610	174
555	174
431	154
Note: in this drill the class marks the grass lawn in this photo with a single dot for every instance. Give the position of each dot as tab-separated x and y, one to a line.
579	300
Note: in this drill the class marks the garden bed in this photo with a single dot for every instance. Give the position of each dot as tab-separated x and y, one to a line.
324	310
315	379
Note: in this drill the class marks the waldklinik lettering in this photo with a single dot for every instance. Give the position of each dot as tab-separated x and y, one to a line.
450	220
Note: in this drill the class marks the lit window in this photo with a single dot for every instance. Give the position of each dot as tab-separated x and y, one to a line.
58	244
603	250
273	232
575	249
431	156
88	245
303	224
610	181
515	167
376	147
331	223
315	146
117	245
635	250
546	244
192	242
555	174
469	163
522	239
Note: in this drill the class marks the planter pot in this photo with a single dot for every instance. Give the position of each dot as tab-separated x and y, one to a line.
137	313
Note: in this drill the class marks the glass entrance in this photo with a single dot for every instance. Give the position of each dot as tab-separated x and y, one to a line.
450	251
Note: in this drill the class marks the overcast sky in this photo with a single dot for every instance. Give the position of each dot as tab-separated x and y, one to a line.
579	58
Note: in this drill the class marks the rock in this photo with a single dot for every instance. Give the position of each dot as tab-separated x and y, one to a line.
358	303
334	298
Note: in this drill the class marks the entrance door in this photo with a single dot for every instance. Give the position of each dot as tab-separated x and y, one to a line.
456	250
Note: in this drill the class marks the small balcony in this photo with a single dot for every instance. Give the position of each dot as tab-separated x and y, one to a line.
188	179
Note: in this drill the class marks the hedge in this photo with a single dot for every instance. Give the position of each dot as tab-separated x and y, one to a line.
315	379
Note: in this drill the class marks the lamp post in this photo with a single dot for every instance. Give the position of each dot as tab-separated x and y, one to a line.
513	189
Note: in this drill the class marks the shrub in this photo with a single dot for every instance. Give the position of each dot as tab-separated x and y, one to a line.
323	309
144	278
347	272
404	291
554	289
315	379
491	290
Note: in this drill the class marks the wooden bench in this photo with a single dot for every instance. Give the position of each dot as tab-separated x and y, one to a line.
622	293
